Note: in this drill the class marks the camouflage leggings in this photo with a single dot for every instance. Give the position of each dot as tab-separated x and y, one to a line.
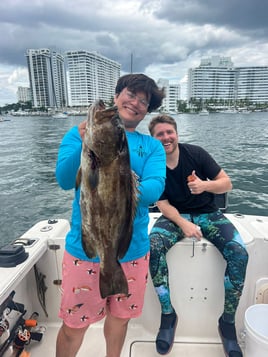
218	230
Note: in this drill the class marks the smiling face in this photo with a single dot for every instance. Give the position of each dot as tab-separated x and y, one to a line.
132	107
168	136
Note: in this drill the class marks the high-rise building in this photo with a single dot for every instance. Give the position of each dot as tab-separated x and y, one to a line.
90	76
252	84
47	78
24	94
172	95
216	78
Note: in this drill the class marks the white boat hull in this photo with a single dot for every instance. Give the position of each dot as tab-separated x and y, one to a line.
196	285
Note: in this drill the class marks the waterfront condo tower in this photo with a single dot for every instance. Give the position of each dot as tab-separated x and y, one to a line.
47	78
172	92
90	76
24	94
218	80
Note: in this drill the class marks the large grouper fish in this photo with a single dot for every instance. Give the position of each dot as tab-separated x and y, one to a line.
108	196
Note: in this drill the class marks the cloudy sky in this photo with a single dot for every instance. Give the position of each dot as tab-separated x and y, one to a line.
166	37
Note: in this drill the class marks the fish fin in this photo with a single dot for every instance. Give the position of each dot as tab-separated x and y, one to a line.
89	248
78	178
123	141
135	193
127	228
113	282
101	104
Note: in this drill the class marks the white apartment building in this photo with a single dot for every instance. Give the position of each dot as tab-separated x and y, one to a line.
216	78
252	84
47	78
24	94
172	92
90	76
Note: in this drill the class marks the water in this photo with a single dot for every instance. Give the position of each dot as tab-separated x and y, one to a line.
28	152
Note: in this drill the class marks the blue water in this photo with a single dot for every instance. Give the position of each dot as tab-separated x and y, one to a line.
28	152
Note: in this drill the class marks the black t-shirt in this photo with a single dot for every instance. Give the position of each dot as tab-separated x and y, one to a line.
177	192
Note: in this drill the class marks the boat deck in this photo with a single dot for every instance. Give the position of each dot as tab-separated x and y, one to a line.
134	346
197	293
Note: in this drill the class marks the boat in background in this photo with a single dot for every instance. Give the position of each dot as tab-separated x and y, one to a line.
204	112
30	289
60	116
229	111
2	119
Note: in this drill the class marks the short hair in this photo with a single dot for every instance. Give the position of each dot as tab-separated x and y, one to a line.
162	118
140	82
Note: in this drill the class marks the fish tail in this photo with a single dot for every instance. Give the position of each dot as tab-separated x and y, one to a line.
113	282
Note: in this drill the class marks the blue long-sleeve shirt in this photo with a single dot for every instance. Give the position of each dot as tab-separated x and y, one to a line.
148	161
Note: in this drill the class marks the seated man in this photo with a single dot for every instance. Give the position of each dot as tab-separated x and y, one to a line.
188	210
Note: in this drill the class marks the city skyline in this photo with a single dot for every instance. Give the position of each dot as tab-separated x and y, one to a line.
91	76
85	76
76	79
166	38
218	79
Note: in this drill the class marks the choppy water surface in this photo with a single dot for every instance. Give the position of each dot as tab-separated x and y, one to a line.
28	153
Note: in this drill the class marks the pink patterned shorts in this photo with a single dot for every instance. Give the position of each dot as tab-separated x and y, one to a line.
81	303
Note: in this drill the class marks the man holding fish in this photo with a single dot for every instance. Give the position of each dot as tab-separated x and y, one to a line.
116	173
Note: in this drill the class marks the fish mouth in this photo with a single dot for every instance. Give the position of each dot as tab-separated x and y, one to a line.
99	105
101	114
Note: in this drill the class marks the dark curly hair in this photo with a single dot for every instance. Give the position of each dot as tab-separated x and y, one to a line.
141	83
